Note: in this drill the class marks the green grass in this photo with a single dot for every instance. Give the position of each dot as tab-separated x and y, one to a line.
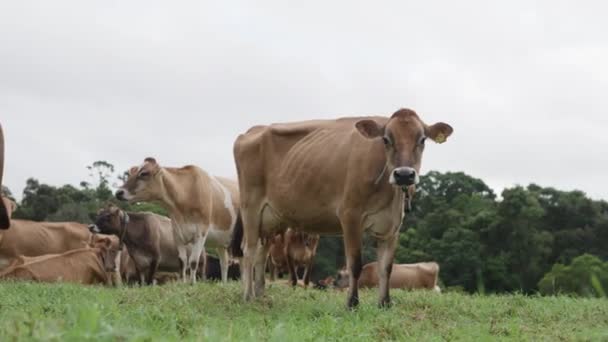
215	312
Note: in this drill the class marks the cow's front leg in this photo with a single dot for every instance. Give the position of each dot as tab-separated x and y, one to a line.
307	272
222	254
386	254
182	251
351	227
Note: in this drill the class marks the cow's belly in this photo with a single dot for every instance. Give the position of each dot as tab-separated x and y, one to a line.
186	233
315	220
217	238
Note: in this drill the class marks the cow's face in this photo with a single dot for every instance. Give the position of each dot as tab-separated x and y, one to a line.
143	183
342	279
404	137
108	221
109	252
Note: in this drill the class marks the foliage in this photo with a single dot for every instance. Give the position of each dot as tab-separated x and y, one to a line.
483	243
587	275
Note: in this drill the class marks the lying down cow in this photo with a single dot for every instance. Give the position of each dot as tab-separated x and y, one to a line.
31	239
89	265
404	276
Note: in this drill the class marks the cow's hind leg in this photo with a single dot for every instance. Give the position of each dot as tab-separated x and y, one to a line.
293	270
307	272
222	254
198	249
251	236
351	227
386	254
260	268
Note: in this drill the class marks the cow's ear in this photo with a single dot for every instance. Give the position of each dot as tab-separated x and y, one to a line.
133	170
369	129
151	161
439	132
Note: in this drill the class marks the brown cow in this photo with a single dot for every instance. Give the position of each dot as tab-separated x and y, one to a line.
83	266
4	213
277	259
147	236
289	177
28	238
298	251
422	275
203	208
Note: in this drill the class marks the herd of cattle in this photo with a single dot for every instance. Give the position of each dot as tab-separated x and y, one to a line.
296	182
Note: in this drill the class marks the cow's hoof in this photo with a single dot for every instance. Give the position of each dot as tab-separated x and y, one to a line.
385	304
352	303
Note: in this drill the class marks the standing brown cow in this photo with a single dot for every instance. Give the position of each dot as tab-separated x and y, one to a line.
204	209
4	213
343	176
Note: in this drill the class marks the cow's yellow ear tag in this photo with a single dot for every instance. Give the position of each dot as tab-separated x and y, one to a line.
440	138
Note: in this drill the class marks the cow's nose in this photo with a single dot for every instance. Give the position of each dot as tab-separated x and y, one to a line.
404	176
120	195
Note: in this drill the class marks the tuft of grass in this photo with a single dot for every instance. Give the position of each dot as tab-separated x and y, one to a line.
215	312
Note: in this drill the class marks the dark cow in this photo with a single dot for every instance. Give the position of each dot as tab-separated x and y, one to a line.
148	238
335	177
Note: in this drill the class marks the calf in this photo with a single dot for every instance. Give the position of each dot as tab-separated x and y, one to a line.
300	251
277	258
148	238
83	266
403	276
30	239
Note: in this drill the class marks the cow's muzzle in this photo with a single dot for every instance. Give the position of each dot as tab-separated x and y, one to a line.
120	195
404	176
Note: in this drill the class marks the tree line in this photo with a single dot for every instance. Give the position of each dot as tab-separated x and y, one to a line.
531	239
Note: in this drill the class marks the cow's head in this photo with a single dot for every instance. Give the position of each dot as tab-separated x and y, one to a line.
342	279
404	137
109	252
143	183
109	220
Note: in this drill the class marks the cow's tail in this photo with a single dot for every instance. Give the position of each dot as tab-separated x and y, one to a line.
236	243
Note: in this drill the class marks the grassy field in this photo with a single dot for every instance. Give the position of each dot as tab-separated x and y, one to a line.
214	312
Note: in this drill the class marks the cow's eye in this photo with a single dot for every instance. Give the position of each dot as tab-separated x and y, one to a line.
387	141
422	141
144	174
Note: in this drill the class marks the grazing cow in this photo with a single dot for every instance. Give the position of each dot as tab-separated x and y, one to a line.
277	259
30	239
4	213
147	236
203	208
324	284
422	275
83	266
343	176
293	250
214	270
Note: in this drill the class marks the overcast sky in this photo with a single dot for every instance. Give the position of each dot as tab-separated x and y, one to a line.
523	83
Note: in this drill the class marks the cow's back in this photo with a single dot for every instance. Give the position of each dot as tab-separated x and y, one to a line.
301	169
30	238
